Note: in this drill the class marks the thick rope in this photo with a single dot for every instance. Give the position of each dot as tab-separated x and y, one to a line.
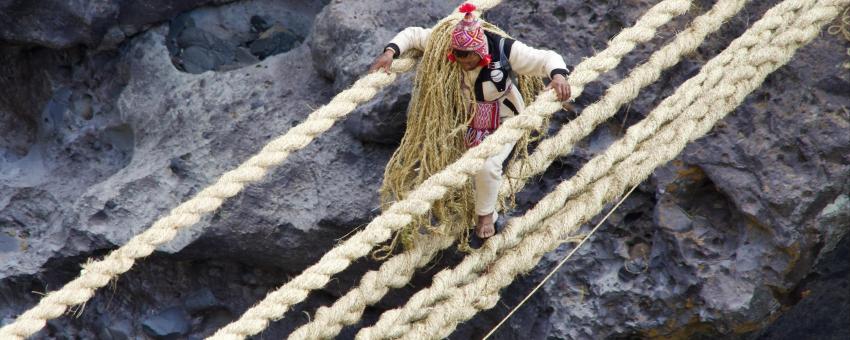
597	113
455	175
624	42
623	92
785	28
98	273
560	264
573	208
348	309
393	273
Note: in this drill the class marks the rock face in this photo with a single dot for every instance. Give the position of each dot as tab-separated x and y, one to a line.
822	297
110	119
63	24
172	323
343	48
233	36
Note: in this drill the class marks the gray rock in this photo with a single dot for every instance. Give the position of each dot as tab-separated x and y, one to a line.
343	48
382	120
259	24
199	51
233	22
17	142
820	303
171	323
671	217
116	330
58	24
8	244
201	300
834	223
216	319
273	41
227	37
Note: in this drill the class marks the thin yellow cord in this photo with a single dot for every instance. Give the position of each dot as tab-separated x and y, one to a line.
554	270
842	28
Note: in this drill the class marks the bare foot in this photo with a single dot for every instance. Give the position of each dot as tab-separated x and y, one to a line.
485	228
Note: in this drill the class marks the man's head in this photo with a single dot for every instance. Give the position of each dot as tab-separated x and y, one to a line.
469	44
468	60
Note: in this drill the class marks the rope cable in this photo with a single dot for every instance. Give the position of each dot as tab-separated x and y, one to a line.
554	270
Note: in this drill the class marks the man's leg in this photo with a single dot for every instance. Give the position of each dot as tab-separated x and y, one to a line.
487	183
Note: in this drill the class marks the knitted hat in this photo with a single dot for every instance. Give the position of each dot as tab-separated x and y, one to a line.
468	35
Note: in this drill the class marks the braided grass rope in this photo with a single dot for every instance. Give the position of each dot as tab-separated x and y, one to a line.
347	310
623	92
394	323
393	273
768	45
584	238
418	202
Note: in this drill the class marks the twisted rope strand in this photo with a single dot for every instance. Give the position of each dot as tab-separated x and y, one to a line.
329	321
799	25
621	93
554	270
585	72
394	273
419	201
99	273
417	307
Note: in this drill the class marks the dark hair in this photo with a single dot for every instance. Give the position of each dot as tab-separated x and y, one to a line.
460	53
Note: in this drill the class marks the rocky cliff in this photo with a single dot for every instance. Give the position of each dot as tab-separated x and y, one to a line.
116	111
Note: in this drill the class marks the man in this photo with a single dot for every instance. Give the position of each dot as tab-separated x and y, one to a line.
489	81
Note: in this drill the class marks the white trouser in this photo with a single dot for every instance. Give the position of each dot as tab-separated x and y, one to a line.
488	180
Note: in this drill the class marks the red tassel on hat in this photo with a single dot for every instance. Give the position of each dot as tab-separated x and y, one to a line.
485	61
451	57
467	8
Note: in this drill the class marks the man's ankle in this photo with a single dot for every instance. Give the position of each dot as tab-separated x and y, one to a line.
486	217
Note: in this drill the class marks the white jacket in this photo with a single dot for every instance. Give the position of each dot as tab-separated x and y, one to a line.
522	58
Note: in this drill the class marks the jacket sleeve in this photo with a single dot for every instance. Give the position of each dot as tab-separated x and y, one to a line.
411	37
531	61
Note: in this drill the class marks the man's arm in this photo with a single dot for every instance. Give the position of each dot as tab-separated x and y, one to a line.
531	61
411	37
541	63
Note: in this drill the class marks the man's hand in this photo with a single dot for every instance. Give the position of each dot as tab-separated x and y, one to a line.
562	88
383	62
